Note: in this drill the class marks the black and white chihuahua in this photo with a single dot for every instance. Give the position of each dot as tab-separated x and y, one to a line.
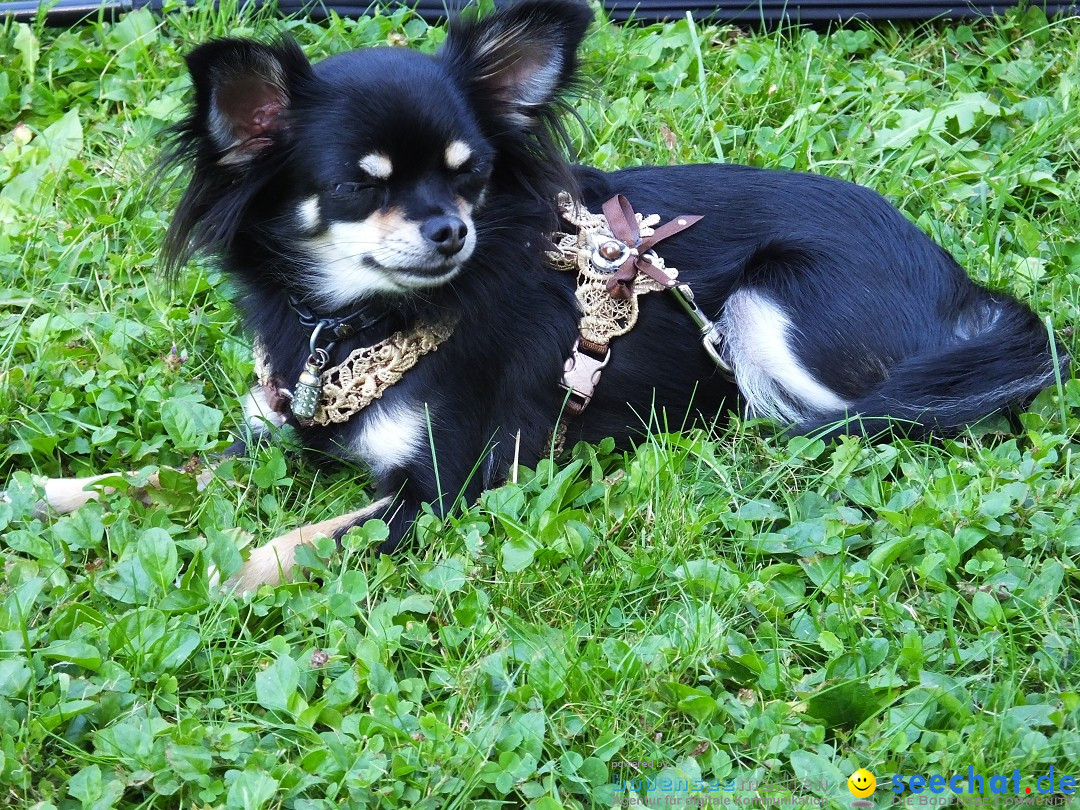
388	189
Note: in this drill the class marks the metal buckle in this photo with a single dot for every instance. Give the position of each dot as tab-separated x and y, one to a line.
581	374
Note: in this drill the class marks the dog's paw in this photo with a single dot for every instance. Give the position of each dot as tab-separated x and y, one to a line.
262	407
62	496
273	563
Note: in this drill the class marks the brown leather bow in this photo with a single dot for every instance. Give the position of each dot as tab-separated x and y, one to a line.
624	227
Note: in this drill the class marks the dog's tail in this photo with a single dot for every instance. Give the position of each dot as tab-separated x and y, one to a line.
996	368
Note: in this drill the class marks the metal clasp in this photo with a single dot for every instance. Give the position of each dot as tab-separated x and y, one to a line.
313	341
608	253
711	336
581	374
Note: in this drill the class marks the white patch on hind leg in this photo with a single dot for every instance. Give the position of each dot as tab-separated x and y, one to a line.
770	377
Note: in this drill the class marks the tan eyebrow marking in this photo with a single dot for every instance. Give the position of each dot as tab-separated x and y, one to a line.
308	213
456	154
377	165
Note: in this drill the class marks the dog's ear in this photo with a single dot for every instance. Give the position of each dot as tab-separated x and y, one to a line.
242	92
516	61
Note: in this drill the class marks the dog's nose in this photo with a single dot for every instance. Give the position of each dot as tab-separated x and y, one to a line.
446	233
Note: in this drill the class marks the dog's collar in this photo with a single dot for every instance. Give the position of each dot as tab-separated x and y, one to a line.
364	317
306	395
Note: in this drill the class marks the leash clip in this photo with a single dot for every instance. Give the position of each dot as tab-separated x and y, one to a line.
313	342
307	391
711	336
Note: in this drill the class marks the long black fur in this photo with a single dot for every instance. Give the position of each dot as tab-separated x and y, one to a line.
880	315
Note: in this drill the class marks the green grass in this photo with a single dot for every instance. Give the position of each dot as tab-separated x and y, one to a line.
724	606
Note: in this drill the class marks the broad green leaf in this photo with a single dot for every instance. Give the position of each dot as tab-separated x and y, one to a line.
191	425
276	685
157	553
251	790
84	655
445	576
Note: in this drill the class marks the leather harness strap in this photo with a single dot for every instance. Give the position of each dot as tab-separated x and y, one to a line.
624	227
582	370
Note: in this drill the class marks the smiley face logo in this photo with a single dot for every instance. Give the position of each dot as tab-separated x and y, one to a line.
861	783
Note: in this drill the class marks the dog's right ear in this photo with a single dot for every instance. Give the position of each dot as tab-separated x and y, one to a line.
242	93
516	62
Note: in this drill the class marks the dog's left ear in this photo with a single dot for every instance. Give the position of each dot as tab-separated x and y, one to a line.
243	89
516	61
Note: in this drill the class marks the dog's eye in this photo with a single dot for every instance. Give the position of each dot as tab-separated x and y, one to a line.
345	189
471	182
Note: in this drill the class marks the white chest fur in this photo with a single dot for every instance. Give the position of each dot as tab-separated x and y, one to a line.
391	434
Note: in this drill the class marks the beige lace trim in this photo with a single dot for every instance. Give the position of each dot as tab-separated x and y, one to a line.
366	373
603	317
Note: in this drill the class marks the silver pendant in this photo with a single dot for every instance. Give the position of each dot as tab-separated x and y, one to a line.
308	389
